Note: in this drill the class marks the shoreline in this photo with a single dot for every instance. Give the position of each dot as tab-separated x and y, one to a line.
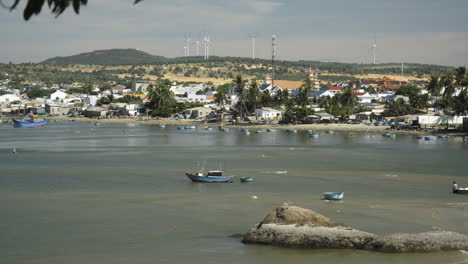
361	128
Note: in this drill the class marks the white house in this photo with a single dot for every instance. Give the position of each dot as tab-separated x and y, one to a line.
91	100
6	99
268	113
365	98
58	95
140	85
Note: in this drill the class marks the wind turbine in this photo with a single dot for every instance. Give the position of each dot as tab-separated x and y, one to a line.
197	45
252	36
208	42
374	48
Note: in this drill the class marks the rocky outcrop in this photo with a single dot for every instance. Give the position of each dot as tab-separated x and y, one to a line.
421	242
304	236
293	215
291	226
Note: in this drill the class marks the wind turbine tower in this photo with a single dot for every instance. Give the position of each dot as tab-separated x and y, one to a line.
252	37
273	53
374	49
197	45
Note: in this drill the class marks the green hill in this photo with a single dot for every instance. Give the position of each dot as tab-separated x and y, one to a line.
288	70
108	57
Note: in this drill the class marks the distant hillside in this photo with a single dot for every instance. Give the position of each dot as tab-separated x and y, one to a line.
108	57
288	70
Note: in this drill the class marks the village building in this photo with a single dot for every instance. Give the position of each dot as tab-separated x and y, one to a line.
268	113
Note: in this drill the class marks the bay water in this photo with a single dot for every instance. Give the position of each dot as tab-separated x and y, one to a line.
75	192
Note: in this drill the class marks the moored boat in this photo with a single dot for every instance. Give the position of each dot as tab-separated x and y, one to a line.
270	130
333	195
314	135
292	130
162	126
428	138
246	179
246	133
329	132
29	123
210	177
461	191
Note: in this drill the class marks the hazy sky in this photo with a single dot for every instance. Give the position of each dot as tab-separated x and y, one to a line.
422	31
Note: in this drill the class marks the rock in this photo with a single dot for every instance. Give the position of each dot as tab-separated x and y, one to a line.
292	226
421	242
292	215
305	236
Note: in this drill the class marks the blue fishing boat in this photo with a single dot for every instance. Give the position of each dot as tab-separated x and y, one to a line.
442	137
333	196
428	138
29	123
420	137
210	177
162	126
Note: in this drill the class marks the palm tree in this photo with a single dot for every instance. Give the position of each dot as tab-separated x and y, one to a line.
161	100
433	87
221	94
303	98
447	81
281	98
253	95
241	93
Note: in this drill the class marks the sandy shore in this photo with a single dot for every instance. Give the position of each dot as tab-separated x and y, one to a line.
358	128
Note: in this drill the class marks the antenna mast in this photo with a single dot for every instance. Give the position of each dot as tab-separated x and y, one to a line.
273	53
402	69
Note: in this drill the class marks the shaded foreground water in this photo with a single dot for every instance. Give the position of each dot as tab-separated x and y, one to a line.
116	193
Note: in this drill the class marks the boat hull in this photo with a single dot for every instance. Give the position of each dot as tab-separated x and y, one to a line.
204	179
246	179
333	196
461	192
36	123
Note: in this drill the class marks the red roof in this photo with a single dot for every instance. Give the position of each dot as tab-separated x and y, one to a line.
359	94
335	88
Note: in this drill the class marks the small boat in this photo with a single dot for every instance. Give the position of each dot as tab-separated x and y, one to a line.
329	132
428	138
246	133
258	131
208	128
192	127
246	179
386	134
210	177
420	137
180	128
245	130
333	196
461	191
270	130
315	135
162	126
392	135
309	131
292	130
29	123
442	137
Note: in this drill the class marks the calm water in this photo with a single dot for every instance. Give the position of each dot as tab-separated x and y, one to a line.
79	193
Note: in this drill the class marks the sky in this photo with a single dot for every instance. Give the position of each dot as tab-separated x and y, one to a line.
410	31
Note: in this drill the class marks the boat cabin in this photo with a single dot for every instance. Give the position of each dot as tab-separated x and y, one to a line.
215	173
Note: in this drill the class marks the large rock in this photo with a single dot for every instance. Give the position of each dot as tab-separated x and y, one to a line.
421	242
304	236
292	226
293	215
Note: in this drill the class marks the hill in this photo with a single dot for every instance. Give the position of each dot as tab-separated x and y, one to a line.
108	57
